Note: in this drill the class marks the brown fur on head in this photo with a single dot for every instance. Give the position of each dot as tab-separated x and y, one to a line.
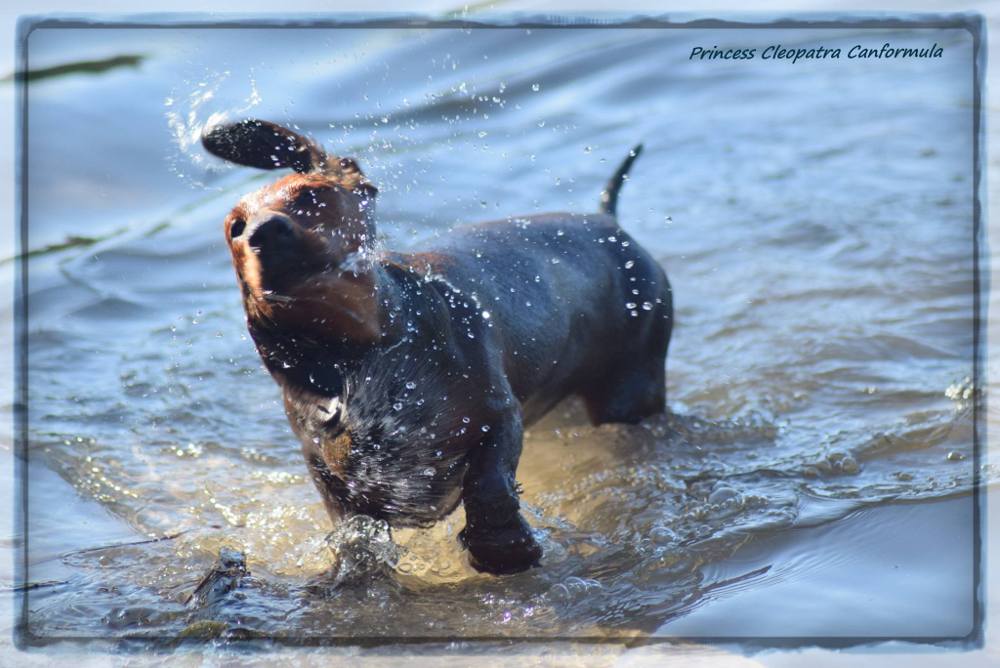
300	244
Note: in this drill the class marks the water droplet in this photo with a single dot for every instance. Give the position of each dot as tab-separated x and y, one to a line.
485	428
662	535
630	305
630	264
646	306
486	315
723	495
398	406
411	385
535	87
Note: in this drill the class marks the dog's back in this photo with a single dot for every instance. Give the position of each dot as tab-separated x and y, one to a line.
562	286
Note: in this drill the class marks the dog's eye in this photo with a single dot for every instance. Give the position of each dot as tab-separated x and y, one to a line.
236	229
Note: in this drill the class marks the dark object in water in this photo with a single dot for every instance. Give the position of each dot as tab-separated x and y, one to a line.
204	629
408	378
224	577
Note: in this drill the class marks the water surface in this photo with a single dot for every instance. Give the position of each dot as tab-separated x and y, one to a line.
815	220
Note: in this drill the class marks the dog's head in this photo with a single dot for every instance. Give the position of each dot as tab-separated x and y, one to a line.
292	239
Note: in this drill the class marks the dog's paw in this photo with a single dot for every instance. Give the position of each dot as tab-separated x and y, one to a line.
503	550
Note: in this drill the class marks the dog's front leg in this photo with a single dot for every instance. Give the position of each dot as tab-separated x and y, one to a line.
327	485
497	537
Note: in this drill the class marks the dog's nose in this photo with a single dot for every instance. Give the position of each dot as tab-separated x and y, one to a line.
275	230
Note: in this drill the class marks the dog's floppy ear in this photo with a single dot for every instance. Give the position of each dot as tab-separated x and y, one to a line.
263	145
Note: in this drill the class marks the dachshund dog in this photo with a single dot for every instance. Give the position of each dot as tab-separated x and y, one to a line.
409	377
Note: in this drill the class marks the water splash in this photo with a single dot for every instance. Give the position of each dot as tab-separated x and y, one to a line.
362	547
188	114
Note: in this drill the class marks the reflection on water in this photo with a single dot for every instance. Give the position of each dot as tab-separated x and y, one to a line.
815	220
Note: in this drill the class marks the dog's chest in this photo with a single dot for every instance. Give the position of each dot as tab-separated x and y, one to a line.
392	455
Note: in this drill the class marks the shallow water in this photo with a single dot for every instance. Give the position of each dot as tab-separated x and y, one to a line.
815	220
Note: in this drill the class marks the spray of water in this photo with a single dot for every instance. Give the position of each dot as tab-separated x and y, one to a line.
203	104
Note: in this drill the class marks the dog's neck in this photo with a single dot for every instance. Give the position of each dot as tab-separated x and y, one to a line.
310	337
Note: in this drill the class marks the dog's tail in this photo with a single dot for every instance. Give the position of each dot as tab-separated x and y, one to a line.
609	196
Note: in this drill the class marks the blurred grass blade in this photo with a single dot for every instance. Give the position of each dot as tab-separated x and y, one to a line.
79	67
